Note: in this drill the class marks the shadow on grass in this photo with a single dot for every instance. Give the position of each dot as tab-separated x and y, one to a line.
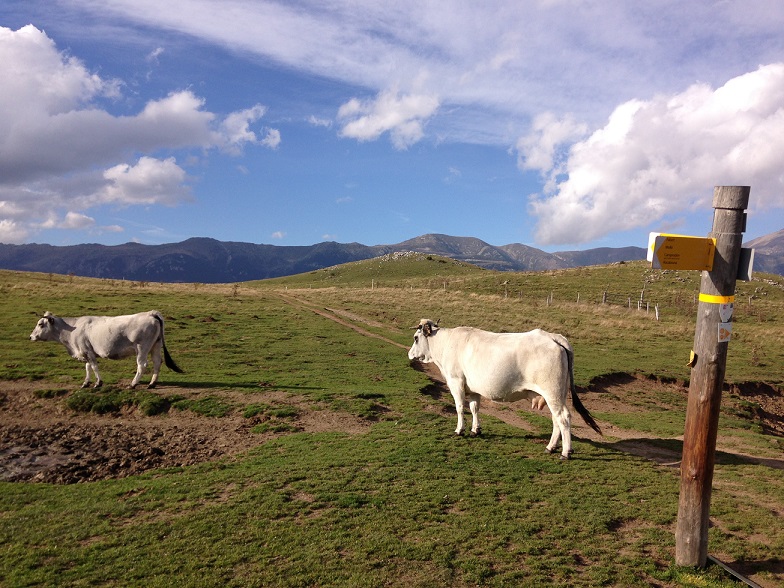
667	452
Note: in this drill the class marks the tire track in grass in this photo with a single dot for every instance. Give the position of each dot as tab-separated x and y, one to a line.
505	414
334	316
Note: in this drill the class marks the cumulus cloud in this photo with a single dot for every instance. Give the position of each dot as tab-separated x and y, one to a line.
77	220
271	139
150	181
543	148
61	153
403	117
236	131
660	157
12	231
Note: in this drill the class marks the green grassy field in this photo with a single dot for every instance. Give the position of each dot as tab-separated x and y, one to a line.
401	503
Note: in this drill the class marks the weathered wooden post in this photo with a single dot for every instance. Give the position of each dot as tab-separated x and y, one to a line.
717	290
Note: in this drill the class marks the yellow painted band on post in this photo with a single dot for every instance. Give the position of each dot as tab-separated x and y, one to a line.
711	299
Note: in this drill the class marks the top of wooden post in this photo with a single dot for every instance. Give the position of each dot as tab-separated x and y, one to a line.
731	197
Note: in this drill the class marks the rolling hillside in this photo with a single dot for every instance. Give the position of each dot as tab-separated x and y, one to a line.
209	261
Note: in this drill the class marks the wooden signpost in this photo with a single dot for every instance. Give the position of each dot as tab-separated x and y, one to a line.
718	256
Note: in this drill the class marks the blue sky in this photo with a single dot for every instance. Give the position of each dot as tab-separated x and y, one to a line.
559	124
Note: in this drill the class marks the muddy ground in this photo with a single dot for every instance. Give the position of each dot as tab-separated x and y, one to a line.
41	440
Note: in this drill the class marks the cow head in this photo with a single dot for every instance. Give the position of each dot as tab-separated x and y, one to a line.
45	329
421	348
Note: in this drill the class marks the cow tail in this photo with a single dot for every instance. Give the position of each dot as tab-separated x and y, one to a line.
578	405
166	357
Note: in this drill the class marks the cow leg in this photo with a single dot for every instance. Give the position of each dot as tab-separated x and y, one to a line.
93	363
554	437
562	429
156	363
87	375
473	404
458	393
555	408
565	425
141	365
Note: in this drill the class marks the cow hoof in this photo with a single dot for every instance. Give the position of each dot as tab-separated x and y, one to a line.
97	385
151	386
564	457
458	433
477	433
548	450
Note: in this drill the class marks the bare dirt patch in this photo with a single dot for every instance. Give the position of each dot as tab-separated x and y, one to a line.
43	441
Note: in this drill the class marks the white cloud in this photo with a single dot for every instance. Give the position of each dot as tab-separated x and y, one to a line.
12	231
153	55
402	116
236	130
150	181
76	220
272	139
36	78
319	122
539	149
511	59
661	157
61	153
278	235
453	175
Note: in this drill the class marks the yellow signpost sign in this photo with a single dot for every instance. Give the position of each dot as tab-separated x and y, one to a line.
681	252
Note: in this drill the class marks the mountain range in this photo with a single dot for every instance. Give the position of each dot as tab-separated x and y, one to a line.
203	260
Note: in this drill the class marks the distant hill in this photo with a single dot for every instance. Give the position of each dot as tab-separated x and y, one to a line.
768	253
210	261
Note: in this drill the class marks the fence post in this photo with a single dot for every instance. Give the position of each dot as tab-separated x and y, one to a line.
717	287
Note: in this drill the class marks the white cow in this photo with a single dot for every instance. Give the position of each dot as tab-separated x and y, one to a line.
504	367
89	337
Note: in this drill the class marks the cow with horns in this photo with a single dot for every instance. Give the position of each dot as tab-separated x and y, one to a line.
114	337
504	367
